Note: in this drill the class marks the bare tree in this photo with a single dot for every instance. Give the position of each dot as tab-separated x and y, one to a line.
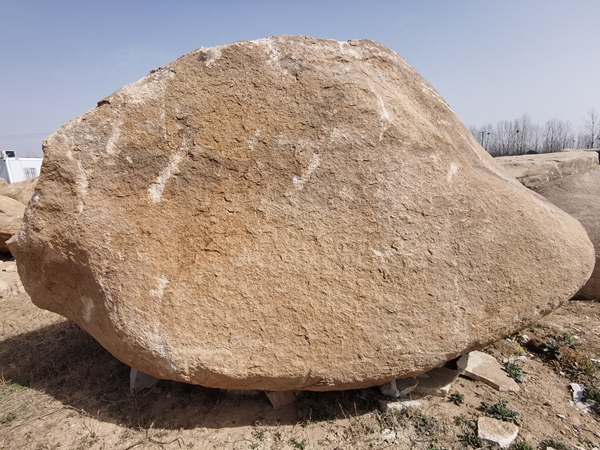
522	136
557	135
591	129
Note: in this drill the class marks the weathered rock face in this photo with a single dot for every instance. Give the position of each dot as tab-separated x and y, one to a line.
11	214
22	191
289	213
579	195
536	170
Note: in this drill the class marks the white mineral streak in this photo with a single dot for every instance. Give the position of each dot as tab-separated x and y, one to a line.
314	163
383	254
251	140
88	307
148	88
386	118
156	189
272	51
114	138
451	172
162	283
348	50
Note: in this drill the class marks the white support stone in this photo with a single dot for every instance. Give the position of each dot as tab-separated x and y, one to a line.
139	381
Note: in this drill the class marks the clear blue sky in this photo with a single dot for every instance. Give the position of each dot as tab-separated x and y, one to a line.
491	60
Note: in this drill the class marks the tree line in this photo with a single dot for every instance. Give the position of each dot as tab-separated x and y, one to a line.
521	136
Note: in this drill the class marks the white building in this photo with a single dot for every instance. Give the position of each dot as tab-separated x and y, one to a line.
14	169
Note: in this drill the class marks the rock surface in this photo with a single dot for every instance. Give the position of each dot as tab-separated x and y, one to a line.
279	399
21	191
436	382
579	195
496	431
485	368
289	214
11	215
399	388
535	170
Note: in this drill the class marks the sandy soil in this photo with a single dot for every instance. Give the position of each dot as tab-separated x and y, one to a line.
60	389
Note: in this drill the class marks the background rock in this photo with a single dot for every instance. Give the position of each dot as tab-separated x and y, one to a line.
289	213
22	191
535	170
11	214
579	195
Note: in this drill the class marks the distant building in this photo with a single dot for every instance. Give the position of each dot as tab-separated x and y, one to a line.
14	169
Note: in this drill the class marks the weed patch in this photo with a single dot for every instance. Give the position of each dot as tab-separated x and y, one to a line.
554	443
8	418
501	411
471	439
425	425
521	445
457	398
592	392
301	445
514	371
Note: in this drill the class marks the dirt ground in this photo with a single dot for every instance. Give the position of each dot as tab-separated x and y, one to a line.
60	389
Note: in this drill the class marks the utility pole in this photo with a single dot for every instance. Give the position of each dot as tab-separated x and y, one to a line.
483	134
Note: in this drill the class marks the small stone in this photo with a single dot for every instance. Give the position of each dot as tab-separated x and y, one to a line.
139	381
388	436
578	392
398	406
561	416
485	368
399	388
497	431
436	382
579	396
514	359
8	266
524	339
281	398
389	389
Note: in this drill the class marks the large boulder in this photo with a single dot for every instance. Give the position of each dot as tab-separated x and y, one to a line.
535	170
579	195
289	213
11	214
22	191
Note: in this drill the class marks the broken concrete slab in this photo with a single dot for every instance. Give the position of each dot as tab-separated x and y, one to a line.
139	381
281	398
497	431
485	368
399	388
398	406
436	382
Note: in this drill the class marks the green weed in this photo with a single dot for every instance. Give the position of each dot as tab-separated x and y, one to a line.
514	371
8	418
457	398
501	411
555	443
299	445
424	425
471	439
521	445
